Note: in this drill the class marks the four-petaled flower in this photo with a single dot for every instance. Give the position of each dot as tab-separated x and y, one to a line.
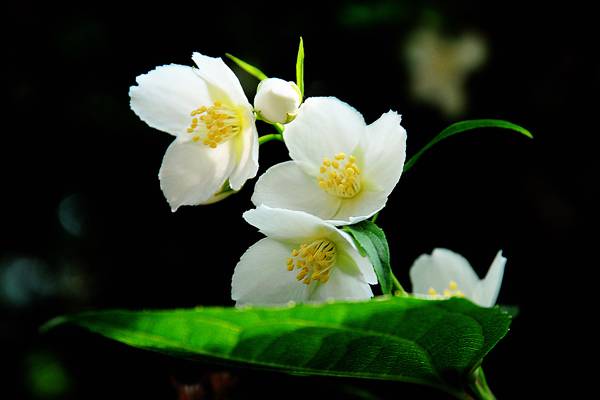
302	259
445	274
341	170
216	141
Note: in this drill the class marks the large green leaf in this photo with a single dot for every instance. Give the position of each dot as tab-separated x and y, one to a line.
371	241
464	126
431	342
249	68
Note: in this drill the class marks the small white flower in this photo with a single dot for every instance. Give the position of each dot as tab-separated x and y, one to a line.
277	100
446	274
302	259
341	170
439	67
208	112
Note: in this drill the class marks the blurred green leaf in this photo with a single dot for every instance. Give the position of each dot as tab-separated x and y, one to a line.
464	126
513	311
371	241
251	69
300	67
435	343
47	378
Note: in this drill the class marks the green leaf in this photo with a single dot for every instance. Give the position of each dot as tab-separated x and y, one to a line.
513	311
300	68
251	69
371	241
464	126
431	342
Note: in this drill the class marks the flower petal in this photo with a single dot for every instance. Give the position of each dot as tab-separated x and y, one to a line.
289	225
349	258
261	276
191	173
384	152
342	286
221	80
324	127
245	148
361	207
487	289
285	185
438	269
165	97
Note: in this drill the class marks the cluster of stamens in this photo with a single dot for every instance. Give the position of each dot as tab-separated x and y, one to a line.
214	125
340	176
450	291
313	261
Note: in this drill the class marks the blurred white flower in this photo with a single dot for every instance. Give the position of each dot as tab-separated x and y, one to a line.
341	170
216	139
439	67
302	259
445	274
277	100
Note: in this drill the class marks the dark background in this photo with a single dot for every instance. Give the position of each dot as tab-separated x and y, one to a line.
85	225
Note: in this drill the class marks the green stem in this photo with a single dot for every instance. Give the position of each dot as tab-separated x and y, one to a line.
278	127
479	388
374	218
397	288
269	137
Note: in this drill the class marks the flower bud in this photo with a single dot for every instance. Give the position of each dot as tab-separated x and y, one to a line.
277	100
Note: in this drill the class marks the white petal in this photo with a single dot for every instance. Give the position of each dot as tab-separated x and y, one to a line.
165	97
282	224
261	276
342	286
361	207
285	185
220	79
349	257
324	127
245	148
438	269
191	173
487	289
384	152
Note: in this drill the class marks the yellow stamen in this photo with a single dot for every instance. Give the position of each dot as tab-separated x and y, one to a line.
315	261
340	177
215	124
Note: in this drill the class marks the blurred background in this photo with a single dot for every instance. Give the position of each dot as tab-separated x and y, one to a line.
85	225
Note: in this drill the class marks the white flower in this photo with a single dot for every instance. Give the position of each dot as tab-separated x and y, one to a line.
446	274
208	112
302	259
277	100
341	170
439	67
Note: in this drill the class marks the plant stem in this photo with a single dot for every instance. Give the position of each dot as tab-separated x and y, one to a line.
479	388
269	137
278	127
397	288
374	217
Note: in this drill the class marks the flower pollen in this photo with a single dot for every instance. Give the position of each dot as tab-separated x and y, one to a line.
450	291
314	261
340	176
214	125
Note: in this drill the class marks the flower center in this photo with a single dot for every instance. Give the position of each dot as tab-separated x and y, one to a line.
450	291
214	125
314	261
340	176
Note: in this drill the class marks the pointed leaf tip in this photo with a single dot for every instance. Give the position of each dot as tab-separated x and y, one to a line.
249	68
